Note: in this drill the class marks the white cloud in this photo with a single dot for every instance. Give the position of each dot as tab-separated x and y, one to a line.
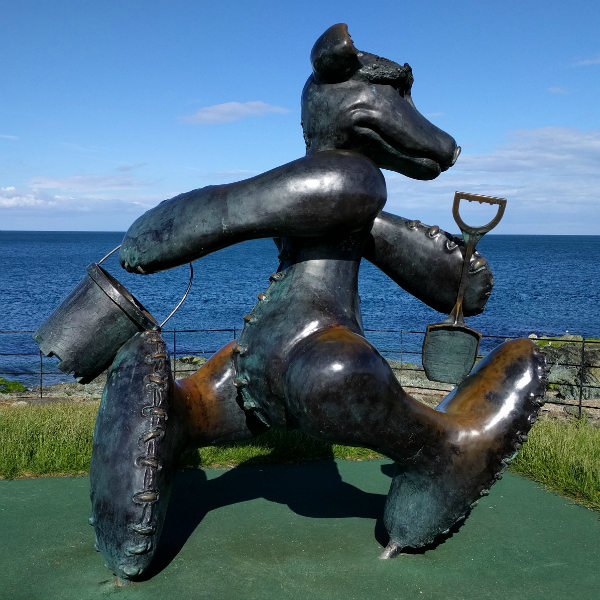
127	168
231	175
595	60
79	148
8	137
11	197
558	90
87	183
81	193
231	111
550	175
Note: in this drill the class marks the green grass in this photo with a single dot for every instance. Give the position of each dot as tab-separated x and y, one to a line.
564	456
57	440
7	386
46	440
273	447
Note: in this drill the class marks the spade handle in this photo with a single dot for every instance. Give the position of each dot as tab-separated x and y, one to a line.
471	236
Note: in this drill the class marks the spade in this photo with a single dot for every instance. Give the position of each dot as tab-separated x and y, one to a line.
450	348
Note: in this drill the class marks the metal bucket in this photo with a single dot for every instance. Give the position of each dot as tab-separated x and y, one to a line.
86	331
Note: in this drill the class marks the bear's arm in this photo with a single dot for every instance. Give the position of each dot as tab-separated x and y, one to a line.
328	193
427	263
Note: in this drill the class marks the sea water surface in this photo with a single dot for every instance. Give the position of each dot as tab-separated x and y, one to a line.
543	284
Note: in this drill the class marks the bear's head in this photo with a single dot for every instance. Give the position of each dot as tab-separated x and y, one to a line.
358	101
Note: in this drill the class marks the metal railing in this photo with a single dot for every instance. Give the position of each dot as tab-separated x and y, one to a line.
579	394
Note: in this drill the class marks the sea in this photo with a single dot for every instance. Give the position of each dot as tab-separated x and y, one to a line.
544	285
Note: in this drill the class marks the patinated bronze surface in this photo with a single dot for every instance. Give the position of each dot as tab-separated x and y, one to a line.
450	348
302	360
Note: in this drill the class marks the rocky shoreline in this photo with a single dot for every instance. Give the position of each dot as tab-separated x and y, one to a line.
563	354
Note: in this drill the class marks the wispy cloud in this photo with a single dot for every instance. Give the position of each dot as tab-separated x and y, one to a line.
119	194
79	148
550	175
8	137
11	197
558	90
232	111
127	168
87	183
231	175
595	60
121	204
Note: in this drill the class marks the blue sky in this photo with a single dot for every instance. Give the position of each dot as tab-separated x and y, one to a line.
109	107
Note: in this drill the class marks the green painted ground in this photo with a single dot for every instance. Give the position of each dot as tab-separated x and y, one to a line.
300	531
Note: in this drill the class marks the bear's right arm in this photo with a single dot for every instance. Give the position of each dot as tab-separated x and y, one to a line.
329	193
427	263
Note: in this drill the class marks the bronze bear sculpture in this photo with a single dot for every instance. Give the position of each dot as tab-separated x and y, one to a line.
302	361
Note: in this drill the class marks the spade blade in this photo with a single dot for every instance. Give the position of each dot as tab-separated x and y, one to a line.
449	352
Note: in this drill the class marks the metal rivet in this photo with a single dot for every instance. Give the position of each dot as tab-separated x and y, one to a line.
148	461
451	245
433	232
145	496
91	520
151	435
130	570
413	224
262	296
139	549
484	493
239	349
248	318
240	382
477	264
143	529
154	411
276	276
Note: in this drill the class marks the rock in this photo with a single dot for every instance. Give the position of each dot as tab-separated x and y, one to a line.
564	359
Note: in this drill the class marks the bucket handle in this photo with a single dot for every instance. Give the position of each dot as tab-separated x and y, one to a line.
180	302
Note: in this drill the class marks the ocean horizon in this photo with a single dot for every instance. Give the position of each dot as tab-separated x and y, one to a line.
544	285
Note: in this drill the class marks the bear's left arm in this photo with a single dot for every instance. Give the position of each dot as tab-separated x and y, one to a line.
427	262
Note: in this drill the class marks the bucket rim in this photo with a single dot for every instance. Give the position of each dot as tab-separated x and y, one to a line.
122	297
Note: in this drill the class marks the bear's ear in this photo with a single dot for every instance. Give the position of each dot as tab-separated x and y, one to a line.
334	58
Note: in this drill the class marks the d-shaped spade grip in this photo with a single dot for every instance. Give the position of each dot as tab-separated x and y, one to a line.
450	348
501	202
471	235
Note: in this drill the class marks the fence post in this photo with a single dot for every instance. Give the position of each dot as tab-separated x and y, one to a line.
234	332
401	355
174	354
41	375
581	372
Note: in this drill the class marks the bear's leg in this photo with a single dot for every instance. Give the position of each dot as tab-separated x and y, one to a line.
145	422
209	406
340	389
